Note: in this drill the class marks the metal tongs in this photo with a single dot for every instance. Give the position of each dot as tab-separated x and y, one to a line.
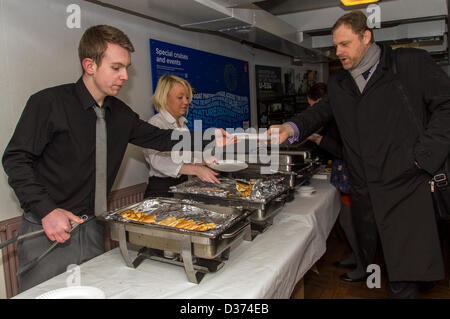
33	262
18	238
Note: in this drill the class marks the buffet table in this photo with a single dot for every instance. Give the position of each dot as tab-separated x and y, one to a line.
267	267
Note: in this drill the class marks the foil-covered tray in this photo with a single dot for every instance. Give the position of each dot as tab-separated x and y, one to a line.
261	190
163	208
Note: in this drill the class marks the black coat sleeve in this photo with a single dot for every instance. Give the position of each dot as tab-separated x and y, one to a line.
331	146
433	147
312	119
331	141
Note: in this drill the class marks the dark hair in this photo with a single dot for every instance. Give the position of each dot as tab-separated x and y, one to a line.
317	91
357	21
94	42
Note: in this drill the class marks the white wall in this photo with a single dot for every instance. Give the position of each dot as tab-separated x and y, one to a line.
38	50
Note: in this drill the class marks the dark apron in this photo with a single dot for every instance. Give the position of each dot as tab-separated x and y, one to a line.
159	186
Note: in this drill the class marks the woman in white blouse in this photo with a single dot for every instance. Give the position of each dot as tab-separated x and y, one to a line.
171	99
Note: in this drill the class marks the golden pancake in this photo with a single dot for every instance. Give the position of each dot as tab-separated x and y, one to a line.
148	219
185	224
167	221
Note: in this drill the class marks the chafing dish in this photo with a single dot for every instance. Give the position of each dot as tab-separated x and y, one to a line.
296	171
198	251
266	199
297	166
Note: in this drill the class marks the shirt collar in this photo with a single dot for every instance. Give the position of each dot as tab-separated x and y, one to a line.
170	119
87	101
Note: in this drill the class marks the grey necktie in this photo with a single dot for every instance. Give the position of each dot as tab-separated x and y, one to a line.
100	162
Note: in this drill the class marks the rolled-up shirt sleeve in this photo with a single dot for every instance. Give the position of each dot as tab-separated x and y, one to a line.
162	162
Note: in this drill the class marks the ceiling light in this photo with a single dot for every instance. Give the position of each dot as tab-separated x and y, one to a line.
356	2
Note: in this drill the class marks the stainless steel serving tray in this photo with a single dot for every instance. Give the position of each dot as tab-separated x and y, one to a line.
213	245
181	208
196	189
263	210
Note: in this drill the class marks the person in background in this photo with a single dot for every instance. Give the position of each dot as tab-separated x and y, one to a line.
51	162
330	141
389	159
171	99
314	95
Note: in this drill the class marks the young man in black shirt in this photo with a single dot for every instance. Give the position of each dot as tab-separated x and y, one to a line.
50	160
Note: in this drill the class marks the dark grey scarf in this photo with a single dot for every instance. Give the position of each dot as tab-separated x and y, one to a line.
370	60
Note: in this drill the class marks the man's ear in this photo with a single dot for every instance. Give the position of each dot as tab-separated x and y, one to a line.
367	37
89	66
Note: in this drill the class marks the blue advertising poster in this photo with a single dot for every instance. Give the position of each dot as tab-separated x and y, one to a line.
221	84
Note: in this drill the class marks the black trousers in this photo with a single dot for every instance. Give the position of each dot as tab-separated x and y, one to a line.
159	186
85	242
346	222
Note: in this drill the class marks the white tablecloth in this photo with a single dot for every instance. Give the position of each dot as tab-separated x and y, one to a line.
267	267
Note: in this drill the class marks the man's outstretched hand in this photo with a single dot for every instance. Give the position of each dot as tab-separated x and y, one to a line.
277	134
223	138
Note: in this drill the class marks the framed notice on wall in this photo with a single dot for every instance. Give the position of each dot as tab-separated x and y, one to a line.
221	84
269	90
268	81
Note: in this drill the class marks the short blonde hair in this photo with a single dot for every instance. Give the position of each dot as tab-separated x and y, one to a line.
165	84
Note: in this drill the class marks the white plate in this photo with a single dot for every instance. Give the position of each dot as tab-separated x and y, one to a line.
74	292
304	194
250	136
307	191
228	166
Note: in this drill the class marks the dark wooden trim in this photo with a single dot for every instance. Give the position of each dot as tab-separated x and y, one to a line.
10	228
126	196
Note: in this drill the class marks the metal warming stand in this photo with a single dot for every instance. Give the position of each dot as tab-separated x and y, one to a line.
198	252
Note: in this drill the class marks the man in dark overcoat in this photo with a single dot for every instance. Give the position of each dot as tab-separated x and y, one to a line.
392	110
